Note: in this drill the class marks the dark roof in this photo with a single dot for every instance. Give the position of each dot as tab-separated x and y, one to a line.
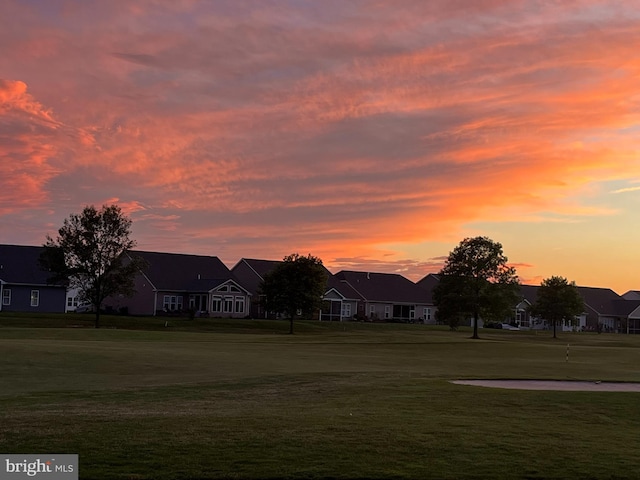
603	301
384	287
19	265
250	272
178	272
343	288
600	299
632	295
261	267
529	293
624	308
428	283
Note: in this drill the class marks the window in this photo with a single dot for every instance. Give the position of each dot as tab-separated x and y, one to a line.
6	296
234	289
172	303
427	314
239	304
346	310
387	311
72	302
35	298
216	304
372	310
228	305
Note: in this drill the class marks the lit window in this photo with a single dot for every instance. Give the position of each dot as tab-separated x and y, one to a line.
35	298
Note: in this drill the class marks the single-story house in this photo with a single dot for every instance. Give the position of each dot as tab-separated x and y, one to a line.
175	283
388	297
24	285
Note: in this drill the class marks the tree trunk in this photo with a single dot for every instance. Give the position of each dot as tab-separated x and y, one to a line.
291	325
475	325
554	329
97	320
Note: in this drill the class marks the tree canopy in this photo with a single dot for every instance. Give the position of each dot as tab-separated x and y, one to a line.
557	300
476	282
90	253
297	284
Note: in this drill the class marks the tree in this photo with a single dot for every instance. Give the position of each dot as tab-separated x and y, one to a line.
557	300
90	253
476	281
295	285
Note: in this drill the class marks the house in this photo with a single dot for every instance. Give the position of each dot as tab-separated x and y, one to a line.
174	283
388	297
340	301
24	286
250	272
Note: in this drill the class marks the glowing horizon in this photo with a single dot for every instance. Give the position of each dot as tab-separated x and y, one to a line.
374	135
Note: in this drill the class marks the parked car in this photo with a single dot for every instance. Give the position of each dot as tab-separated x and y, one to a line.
84	308
507	326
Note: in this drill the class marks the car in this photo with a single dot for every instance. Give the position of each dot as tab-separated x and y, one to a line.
84	308
507	326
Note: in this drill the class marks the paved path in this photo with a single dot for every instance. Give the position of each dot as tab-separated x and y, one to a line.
575	386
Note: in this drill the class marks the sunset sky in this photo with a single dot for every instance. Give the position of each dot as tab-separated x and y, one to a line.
373	134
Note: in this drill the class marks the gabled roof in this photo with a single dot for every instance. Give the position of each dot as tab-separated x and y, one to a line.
258	269
19	264
529	293
601	300
250	272
631	295
428	283
384	287
178	272
343	288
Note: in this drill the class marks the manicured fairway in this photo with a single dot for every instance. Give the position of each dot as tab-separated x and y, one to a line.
244	400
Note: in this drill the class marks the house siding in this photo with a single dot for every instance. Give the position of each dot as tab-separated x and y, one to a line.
51	299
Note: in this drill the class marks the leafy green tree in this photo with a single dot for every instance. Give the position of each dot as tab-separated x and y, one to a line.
476	282
295	285
557	300
91	253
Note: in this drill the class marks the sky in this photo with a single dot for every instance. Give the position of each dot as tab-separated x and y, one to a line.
373	134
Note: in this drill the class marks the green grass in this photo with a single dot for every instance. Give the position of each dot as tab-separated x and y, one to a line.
242	399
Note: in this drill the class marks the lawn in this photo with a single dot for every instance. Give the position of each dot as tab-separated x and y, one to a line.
242	399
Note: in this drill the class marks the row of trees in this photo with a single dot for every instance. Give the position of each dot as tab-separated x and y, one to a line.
477	282
92	254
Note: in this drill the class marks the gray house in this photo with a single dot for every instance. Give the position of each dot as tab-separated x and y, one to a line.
24	286
175	283
389	297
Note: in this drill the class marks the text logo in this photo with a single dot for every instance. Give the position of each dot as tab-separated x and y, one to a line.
45	467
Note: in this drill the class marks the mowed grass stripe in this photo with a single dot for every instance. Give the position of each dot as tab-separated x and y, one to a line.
328	404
